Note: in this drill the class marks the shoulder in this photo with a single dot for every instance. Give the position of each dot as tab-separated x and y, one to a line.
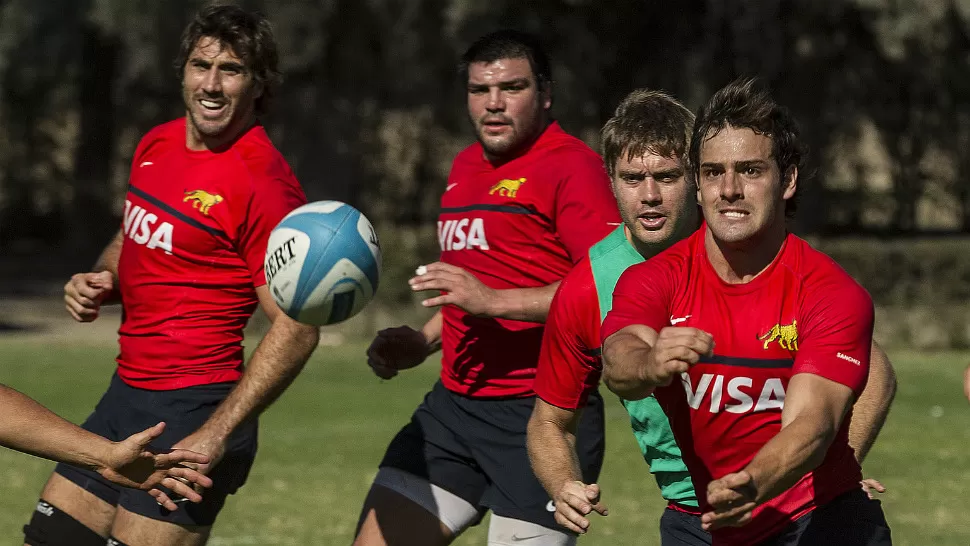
576	297
162	137
468	157
569	152
265	165
822	277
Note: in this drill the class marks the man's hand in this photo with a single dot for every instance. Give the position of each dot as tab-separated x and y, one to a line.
131	463
458	287
84	293
396	349
733	500
200	441
869	485
675	351
574	501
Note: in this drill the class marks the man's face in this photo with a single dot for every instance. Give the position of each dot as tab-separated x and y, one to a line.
219	93
655	201
740	189
506	106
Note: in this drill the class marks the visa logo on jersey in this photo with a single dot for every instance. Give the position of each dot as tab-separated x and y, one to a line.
735	394
463	234
143	228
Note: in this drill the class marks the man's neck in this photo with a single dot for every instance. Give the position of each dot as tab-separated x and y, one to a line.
198	142
740	263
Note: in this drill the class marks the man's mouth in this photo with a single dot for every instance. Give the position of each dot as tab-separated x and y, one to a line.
652	220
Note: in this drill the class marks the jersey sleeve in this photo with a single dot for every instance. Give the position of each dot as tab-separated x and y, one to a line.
586	210
569	363
837	338
274	195
643	295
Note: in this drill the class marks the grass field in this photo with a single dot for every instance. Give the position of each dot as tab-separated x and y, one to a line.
320	444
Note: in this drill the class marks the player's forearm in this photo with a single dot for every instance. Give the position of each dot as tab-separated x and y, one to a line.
552	452
870	410
432	333
525	304
275	363
796	450
624	357
29	427
108	261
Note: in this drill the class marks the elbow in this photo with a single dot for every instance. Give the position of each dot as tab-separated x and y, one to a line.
627	388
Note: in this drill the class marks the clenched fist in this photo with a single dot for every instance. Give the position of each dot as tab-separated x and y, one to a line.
85	292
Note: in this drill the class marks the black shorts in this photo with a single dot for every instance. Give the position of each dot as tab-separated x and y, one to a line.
679	528
476	449
125	410
851	519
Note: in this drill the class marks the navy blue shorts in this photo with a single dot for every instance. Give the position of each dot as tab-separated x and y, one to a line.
476	449
679	528
125	410
851	519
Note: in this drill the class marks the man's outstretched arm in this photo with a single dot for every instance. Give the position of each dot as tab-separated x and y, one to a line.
813	412
275	363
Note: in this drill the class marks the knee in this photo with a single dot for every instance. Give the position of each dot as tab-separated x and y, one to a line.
49	526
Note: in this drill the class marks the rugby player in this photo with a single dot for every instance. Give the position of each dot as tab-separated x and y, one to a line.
754	344
521	206
205	190
644	145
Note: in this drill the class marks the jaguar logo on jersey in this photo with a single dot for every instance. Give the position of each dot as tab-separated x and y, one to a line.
785	335
202	200
143	228
463	234
734	394
507	187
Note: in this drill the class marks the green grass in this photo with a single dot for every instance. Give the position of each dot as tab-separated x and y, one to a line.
320	445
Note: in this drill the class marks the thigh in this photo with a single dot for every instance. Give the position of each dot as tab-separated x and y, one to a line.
432	446
87	508
81	493
136	530
682	529
496	432
184	411
852	519
428	488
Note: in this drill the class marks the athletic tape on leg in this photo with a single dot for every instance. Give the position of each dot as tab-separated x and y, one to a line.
49	526
454	512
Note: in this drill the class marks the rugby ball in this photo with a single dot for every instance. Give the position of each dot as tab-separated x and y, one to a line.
323	263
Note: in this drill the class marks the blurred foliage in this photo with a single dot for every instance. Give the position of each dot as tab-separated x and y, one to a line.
371	111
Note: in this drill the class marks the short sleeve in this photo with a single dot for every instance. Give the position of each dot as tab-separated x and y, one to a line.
643	295
270	201
585	207
836	339
569	361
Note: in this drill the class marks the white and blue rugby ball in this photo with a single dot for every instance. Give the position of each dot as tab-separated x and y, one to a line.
323	263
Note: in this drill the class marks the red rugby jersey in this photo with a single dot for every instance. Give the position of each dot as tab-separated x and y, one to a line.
569	364
803	314
196	226
522	224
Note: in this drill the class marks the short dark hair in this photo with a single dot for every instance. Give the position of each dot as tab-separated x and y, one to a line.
509	44
745	103
646	121
250	36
